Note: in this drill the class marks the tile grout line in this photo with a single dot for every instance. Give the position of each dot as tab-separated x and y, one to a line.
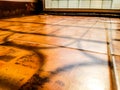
111	59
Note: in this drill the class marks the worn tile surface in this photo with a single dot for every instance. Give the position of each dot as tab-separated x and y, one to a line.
46	52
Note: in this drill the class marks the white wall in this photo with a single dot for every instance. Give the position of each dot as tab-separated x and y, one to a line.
94	4
48	4
116	4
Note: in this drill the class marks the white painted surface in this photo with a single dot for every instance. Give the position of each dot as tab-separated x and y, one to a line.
94	4
84	4
116	4
63	4
73	4
55	4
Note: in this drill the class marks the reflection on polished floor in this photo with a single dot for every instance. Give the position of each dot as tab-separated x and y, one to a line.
46	52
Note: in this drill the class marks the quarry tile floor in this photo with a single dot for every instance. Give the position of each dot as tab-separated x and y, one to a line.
50	52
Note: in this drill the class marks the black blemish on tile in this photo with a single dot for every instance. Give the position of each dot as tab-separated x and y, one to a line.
34	82
22	79
60	83
6	58
26	61
26	58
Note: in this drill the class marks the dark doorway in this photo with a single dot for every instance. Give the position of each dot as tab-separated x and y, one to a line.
38	6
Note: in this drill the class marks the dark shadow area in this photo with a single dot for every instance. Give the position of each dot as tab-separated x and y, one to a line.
9	9
6	58
5	39
10	82
90	14
28	48
38	6
115	29
116	39
7	82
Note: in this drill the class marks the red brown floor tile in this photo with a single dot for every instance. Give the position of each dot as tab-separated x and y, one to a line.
48	52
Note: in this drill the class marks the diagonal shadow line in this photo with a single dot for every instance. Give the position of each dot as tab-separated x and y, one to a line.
57	24
115	29
116	39
65	37
26	47
6	38
72	66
